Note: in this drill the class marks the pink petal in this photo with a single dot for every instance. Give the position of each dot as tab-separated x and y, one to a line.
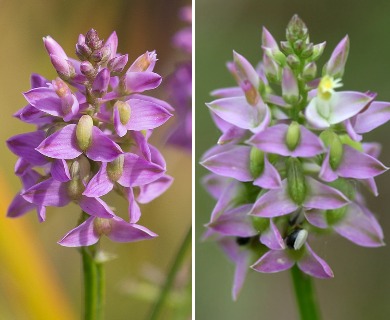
48	193
230	161
45	100
61	144
102	148
133	208
142	81
95	207
150	191
272	238
138	171
100	184
313	265
273	261
120	128
360	228
269	178
273	140
146	115
127	232
274	203
81	236
23	145
377	113
322	196
60	171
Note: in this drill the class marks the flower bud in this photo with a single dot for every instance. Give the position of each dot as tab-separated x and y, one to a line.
285	46
87	69
64	68
293	61
101	82
75	187
256	162
115	168
293	135
245	71
307	52
336	64
117	64
101	55
53	48
84	132
145	62
310	71
271	69
290	88
318	49
124	111
92	40
296	30
83	51
333	142
296	239
268	41
296	180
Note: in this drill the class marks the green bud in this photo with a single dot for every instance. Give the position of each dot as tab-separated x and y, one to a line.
293	135
296	29
84	132
346	139
335	215
308	51
332	141
286	47
310	71
293	61
347	187
115	168
296	180
75	187
318	49
124	110
279	58
259	223
256	163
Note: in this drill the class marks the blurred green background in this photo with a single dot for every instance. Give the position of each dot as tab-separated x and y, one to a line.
361	287
140	25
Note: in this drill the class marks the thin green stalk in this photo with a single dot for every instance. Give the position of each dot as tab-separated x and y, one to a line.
93	285
305	295
171	275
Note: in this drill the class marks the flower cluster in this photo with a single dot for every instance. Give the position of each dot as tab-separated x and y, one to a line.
180	87
291	163
92	129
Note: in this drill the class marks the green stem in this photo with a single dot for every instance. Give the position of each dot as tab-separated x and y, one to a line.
93	285
171	275
305	295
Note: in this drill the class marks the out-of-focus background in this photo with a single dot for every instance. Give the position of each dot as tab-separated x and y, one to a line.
361	287
39	279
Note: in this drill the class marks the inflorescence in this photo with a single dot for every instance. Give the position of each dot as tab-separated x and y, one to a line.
291	163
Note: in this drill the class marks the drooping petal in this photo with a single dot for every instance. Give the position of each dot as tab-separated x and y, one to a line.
150	191
146	115
81	236
138	171
321	196
273	140
23	145
45	100
95	207
376	114
61	144
240	257
360	228
100	184
272	237
235	222
122	231
48	193
133	208
230	161
358	165
60	170
19	206
142	81
274	203
269	178
273	261
313	265
102	148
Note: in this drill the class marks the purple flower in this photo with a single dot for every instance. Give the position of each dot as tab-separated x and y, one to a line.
92	131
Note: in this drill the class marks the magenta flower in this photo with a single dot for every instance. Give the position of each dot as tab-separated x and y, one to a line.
93	127
288	165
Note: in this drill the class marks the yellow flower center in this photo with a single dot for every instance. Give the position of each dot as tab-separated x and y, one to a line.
327	86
